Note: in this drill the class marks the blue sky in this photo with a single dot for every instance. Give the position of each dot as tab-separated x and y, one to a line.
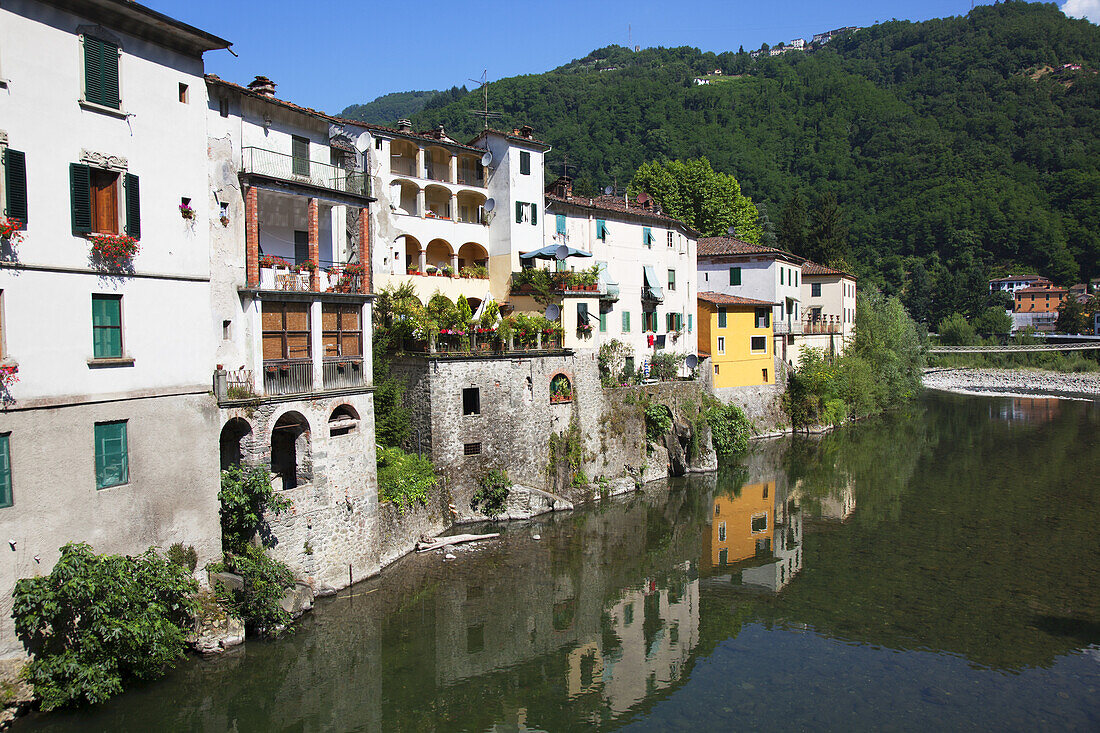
328	54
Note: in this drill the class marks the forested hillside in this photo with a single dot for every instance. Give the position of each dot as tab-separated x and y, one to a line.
955	148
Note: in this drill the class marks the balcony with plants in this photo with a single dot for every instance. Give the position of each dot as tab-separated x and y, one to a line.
300	169
538	282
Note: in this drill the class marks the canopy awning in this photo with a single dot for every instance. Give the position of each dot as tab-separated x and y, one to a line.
652	282
550	252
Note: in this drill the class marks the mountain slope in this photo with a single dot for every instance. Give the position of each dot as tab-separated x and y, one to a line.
389	108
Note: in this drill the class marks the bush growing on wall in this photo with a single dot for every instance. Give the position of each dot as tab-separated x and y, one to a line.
658	421
491	496
97	622
245	496
729	429
404	478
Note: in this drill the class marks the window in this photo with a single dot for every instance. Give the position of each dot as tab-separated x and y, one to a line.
721	345
378	143
223	106
301	247
670	240
763	317
471	449
815	290
112	464
782	270
649	321
299	153
183	92
796	273
101	73
715	368
721	531
285	330
603	322
759	343
561	224
764	373
15	185
721	316
5	470
471	401
626	321
582	314
524	163
723	557
672	279
735	276
107	326
690	318
341	333
647	237
601	230
227	330
674	321
760	523
526	213
95	201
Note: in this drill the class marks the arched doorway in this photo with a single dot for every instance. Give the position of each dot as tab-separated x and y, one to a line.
291	453
233	436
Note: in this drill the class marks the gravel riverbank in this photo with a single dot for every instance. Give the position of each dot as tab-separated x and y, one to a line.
1014	382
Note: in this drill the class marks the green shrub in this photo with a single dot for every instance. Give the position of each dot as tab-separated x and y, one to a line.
266	581
658	421
666	366
834	412
729	429
245	496
404	478
491	496
956	331
96	622
184	556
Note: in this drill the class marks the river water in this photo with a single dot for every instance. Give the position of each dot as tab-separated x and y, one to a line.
937	568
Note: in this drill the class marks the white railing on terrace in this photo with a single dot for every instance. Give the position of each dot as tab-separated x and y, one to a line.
302	170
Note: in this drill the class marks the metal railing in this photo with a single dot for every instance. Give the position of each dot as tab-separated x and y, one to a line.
786	328
343	372
302	170
288	376
653	294
470	179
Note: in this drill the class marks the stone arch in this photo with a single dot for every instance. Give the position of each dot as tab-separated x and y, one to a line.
437	202
561	388
291	450
235	433
406	248
439	253
404	195
343	420
471	254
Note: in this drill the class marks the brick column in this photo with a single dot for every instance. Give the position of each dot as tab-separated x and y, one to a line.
314	247
366	252
252	236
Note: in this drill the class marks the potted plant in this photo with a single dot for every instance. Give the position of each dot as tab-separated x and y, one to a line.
188	213
9	375
114	251
11	234
447	271
412	270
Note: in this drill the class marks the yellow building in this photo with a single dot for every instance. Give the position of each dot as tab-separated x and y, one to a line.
742	526
736	333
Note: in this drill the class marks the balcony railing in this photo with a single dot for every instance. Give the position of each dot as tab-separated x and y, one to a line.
288	376
340	372
655	295
302	170
466	178
784	327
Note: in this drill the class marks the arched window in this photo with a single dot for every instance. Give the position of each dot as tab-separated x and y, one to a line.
234	434
291	453
343	420
561	389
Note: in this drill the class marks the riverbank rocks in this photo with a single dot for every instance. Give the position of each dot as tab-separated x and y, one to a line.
16	695
297	600
525	502
1029	382
215	630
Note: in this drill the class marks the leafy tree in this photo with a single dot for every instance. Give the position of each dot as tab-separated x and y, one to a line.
993	320
98	622
955	330
1072	317
694	193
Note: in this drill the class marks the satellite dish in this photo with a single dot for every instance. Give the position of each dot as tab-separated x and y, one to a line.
552	312
362	142
608	190
732	231
691	361
490	204
487	158
561	252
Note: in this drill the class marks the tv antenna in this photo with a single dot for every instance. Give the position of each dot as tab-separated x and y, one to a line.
566	165
484	113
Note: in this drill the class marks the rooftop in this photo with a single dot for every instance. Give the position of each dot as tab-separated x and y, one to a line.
617	205
1049	291
723	299
718	246
138	20
1014	278
520	134
809	269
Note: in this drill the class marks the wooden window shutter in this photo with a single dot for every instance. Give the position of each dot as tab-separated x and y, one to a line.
80	188
15	184
93	70
133	206
519	212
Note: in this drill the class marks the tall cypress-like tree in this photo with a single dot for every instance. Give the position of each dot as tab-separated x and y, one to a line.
828	243
793	225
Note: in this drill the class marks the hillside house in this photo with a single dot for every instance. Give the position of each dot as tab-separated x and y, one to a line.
736	333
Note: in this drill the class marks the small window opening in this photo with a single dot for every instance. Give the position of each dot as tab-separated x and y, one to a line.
183	92
378	144
227	330
765	374
342	421
471	449
471	401
223	106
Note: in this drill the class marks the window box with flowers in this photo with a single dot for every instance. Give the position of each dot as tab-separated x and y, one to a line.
114	251
9	375
11	234
346	278
561	390
584	329
189	213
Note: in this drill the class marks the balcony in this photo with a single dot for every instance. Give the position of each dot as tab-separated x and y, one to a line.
343	372
272	164
787	328
535	280
652	295
288	376
277	274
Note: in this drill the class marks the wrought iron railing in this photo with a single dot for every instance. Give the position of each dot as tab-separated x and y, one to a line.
342	372
288	376
302	170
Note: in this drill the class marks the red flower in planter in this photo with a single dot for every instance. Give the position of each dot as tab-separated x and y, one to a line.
9	375
114	251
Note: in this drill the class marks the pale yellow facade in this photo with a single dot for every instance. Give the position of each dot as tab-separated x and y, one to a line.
741	351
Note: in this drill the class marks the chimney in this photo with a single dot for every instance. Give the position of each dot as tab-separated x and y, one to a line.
405	125
562	187
262	85
525	131
440	133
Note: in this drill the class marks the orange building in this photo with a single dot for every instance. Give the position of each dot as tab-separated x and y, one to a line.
742	526
1038	299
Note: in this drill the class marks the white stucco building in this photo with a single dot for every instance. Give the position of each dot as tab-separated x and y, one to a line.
828	301
108	435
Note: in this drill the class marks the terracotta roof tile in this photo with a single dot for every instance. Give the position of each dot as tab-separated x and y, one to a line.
809	269
1053	291
723	299
617	205
718	246
511	136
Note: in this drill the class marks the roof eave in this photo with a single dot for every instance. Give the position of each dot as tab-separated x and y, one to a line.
145	23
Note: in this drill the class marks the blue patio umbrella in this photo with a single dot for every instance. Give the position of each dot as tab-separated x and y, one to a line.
550	252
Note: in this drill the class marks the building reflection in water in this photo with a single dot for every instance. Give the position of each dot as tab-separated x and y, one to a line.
1025	410
755	537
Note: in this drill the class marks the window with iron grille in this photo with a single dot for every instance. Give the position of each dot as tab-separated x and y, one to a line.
471	449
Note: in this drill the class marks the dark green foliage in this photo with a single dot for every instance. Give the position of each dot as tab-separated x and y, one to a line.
693	192
492	493
184	556
955	330
245	496
658	421
389	108
266	581
666	365
920	130
729	429
98	622
404	478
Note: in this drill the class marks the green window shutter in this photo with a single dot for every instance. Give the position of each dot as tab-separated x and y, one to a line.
133	206
93	70
735	276
109	61
5	472
646	236
626	321
721	317
781	275
15	184
603	322
519	212
561	223
80	189
524	163
299	155
112	464
534	214
690	319
106	327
